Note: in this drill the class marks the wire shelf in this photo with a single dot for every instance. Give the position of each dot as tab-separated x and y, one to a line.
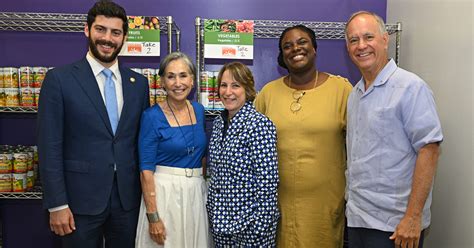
212	112
31	110
52	22
324	30
34	194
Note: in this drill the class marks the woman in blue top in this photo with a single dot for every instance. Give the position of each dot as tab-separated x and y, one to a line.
172	143
242	203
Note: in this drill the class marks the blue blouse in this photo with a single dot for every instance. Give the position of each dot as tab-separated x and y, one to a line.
161	144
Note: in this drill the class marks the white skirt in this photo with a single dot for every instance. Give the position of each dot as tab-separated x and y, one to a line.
181	203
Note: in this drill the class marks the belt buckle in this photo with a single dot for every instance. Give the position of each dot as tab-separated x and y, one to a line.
188	174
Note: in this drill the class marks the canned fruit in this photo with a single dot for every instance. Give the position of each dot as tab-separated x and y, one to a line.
6	162
6	182
20	162
19	182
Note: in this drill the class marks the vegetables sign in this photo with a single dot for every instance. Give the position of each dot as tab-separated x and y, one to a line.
143	36
228	39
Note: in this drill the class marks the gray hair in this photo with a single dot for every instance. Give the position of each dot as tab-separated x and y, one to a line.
177	56
379	20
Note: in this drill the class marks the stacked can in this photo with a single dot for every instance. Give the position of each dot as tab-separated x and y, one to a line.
16	168
160	91
10	87
26	89
206	95
150	73
35	165
6	167
39	73
20	169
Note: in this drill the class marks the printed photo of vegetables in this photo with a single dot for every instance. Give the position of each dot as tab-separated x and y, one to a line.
143	22
228	26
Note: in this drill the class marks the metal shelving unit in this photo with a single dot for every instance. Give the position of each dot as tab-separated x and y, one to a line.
24	110
30	195
271	29
61	22
213	112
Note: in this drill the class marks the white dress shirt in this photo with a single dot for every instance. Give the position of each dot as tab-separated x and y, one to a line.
100	78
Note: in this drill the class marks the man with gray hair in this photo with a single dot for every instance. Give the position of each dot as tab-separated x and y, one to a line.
393	136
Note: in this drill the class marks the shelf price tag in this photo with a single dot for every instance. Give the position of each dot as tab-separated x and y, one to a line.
228	39
143	37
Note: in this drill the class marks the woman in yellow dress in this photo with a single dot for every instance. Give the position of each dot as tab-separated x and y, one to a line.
308	108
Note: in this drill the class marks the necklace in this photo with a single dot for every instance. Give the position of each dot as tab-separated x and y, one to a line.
189	149
296	106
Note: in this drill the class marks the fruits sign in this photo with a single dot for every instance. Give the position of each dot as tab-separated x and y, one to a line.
228	39
143	36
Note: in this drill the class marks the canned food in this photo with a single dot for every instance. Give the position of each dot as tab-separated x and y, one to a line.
30	179
38	76
29	165
10	77
2	84
12	97
27	97
160	95
6	162
20	162
6	182
19	182
26	76
158	80
36	96
152	97
206	95
149	73
3	97
35	153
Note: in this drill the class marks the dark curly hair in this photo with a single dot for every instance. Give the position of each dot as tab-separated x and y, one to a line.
109	9
311	34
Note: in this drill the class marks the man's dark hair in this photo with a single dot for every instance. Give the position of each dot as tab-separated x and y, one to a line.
109	9
301	27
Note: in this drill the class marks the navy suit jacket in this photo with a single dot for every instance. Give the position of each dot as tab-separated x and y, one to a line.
77	149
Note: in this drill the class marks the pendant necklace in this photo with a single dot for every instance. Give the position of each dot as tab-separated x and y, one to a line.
295	106
189	149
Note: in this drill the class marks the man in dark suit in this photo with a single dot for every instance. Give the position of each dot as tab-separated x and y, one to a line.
88	121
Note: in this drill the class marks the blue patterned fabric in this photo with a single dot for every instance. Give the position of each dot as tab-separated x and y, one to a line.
242	201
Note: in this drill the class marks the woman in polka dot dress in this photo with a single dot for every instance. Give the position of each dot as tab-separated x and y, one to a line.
242	201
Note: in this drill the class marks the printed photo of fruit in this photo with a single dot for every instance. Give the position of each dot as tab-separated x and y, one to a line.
143	22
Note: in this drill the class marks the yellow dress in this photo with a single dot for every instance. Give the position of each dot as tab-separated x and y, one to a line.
312	161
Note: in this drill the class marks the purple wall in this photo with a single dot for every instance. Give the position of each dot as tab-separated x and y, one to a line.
53	49
32	49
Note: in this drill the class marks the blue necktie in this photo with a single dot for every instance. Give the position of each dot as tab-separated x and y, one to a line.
110	99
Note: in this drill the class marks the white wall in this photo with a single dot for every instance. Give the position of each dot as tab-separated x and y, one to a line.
437	44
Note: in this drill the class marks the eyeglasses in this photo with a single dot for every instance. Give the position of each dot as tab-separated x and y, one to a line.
296	105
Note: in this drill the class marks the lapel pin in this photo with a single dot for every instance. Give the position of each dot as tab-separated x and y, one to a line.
132	80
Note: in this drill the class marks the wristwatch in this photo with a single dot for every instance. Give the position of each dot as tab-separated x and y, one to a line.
153	217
